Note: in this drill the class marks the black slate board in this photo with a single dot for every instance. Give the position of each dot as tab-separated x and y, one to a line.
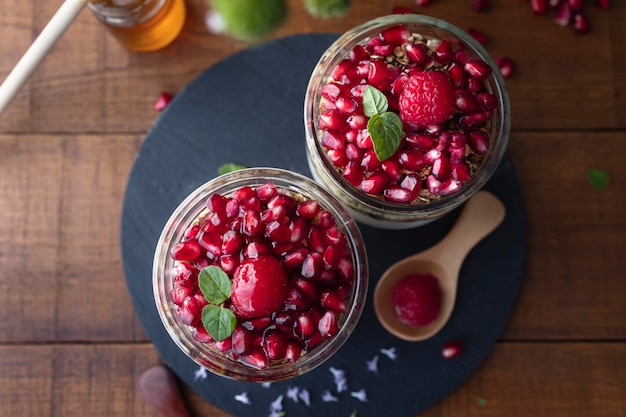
248	109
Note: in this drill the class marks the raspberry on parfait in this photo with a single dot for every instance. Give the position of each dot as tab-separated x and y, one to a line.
406	117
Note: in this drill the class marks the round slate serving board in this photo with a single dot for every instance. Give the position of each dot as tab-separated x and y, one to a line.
248	109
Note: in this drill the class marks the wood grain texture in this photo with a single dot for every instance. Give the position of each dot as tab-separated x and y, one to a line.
517	380
70	344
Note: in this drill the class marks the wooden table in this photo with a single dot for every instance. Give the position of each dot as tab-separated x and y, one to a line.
70	343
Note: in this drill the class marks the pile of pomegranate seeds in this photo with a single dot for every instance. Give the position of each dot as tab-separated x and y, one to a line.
291	268
434	159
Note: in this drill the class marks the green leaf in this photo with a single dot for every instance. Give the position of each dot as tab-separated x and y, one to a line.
386	132
214	284
482	401
374	102
598	178
353	414
230	167
218	321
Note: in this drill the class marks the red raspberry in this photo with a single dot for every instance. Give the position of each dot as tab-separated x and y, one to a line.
427	98
260	287
417	299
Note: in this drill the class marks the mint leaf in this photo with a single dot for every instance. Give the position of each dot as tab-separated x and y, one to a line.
482	401
598	178
374	102
218	321
230	167
214	284
386	132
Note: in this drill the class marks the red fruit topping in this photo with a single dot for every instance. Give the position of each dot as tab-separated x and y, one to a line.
162	102
186	251
427	98
479	36
401	10
417	299
507	67
452	349
259	286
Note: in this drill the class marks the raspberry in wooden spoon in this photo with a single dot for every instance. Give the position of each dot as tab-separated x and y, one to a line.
260	287
427	98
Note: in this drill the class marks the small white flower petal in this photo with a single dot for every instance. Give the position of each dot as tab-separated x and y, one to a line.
266	384
201	373
305	397
327	397
372	365
361	395
277	404
339	378
292	392
243	398
390	353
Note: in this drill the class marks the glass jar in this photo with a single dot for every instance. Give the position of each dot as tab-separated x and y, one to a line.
375	210
208	355
141	25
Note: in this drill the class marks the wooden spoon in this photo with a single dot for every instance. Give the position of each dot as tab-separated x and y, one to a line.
160	392
482	214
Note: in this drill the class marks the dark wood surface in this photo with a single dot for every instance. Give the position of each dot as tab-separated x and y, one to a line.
70	343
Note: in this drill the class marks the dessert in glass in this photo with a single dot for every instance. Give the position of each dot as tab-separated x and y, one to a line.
260	275
406	117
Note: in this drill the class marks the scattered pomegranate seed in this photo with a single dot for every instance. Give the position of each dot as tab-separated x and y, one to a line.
401	10
162	102
603	4
581	24
507	67
422	2
479	36
576	5
563	14
452	349
480	5
539	7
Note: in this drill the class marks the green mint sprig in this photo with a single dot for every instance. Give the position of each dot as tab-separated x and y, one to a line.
384	127
216	287
599	179
229	167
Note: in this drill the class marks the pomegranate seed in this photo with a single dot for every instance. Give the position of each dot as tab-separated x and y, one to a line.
259	323
581	24
479	36
603	4
576	5
256	359
364	140
465	101
277	232
345	269
441	167
418	54
398	84
332	119
461	172
411	160
487	101
358	54
357	91
383	50
539	7
452	349
212	242
370	161
334	236
456	155
293	350
229	263
444	52
304	327
277	213
474	119
201	335
331	256
457	140
480	5
461	56
162	102
232	208
308	209
241	341
507	67
475	85
563	14
330	301
419	141
285	201
185	275
189	311
332	140
192	232
330	91
217	203
316	239
340	69
353	152
232	242
224	345
312	265
178	294
479	141
422	2
450	186
293	259
337	157
185	251
296	300
432	155
555	3
456	74
357	121
353	173
377	71
375	183
275	344
266	191
477	68
396	194
401	10
395	35
346	105
391	167
327	325
411	183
